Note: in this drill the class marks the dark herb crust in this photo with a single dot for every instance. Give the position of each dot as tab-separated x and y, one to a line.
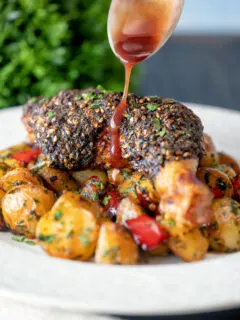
67	127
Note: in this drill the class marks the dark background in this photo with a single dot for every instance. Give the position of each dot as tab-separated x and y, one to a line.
202	69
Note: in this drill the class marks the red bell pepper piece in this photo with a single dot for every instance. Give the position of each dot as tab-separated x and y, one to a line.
146	232
217	192
236	188
26	156
111	202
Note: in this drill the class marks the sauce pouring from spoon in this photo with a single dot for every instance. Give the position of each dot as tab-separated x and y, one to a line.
136	30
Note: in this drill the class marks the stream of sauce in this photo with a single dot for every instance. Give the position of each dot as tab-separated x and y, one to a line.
136	30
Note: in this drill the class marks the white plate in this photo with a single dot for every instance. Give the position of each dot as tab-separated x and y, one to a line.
167	286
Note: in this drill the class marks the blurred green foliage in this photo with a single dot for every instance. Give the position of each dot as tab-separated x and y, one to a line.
50	45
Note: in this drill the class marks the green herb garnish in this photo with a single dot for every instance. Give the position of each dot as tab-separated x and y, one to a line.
51	114
151	107
234	207
111	252
47	238
157	124
171	222
106	199
58	215
22	239
84	240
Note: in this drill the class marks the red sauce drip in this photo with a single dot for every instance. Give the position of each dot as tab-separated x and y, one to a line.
131	50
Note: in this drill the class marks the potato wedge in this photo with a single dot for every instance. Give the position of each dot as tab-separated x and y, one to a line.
23	206
216	180
226	159
210	157
128	209
115	245
70	229
18	177
224	233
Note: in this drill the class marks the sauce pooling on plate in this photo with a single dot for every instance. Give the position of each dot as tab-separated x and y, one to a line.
136	30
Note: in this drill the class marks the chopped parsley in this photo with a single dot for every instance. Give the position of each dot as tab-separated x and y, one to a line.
58	215
131	190
171	222
98	184
126	174
51	114
22	239
126	115
151	107
112	252
47	238
106	199
84	240
157	124
215	225
234	207
70	234
36	201
162	133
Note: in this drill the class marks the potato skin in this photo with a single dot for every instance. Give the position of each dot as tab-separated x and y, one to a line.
226	159
227	169
24	205
186	243
224	232
115	245
210	157
17	177
3	169
216	179
70	229
56	180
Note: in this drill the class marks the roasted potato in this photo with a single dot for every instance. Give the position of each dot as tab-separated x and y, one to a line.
24	205
128	187
210	158
217	181
226	159
115	245
2	222
3	169
18	177
183	197
187	243
227	169
93	188
224	232
82	176
56	180
70	229
128	209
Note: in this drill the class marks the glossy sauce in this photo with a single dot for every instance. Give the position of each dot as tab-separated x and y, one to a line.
136	30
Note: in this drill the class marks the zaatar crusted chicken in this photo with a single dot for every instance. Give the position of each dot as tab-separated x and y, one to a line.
71	130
